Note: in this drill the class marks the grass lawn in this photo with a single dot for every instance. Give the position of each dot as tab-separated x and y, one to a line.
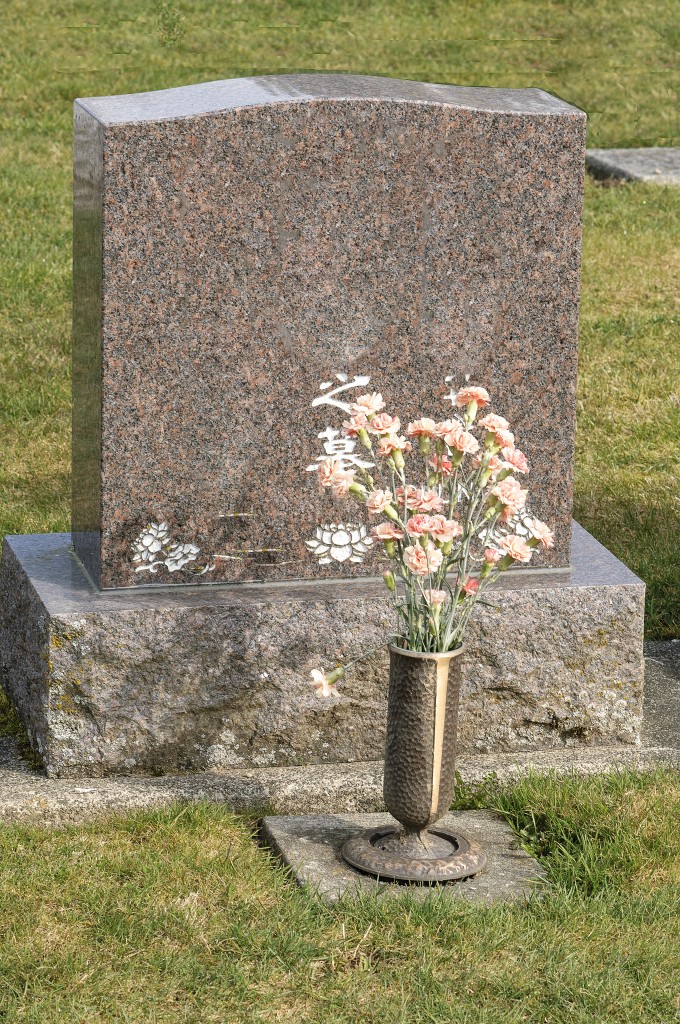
177	916
618	63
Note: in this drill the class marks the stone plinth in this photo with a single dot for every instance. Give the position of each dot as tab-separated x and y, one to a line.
166	679
239	243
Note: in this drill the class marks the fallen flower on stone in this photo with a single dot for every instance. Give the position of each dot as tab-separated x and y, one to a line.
325	684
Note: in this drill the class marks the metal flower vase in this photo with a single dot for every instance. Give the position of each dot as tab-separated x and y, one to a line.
422	724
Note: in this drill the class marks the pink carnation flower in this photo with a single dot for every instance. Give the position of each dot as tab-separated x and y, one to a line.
462	440
435	598
391	443
426	500
341	481
493	465
517	548
383	423
422	561
419	525
424	427
505	439
443	428
515	460
492	422
472	394
377	501
367	404
491	556
325	471
357	422
471	586
323	687
444	530
441	464
387	531
407	496
510	494
542	533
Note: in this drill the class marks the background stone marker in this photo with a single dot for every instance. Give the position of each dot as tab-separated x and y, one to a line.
237	244
657	165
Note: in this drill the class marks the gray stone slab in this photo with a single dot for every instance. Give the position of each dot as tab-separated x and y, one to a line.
218	677
656	164
310	845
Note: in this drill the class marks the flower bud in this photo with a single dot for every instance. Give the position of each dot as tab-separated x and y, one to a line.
398	459
391	513
424	443
389	579
358	491
364	438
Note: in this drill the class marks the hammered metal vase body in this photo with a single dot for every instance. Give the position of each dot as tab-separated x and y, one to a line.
422	722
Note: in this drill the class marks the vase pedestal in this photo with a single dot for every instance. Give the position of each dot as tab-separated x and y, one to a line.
419	777
166	680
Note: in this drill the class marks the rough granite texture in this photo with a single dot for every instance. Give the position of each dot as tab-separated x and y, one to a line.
27	795
311	845
238	243
656	164
173	679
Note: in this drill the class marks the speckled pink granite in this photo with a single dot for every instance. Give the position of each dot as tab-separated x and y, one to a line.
238	243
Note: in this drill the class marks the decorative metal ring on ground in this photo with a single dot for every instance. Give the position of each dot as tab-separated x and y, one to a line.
376	853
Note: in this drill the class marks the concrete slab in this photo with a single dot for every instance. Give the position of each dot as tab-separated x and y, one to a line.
310	845
657	164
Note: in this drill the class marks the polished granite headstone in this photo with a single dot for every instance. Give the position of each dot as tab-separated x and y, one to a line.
238	244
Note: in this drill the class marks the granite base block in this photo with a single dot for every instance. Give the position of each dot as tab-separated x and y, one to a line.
311	846
217	677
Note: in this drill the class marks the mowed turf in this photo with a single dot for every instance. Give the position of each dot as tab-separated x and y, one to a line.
178	916
617	62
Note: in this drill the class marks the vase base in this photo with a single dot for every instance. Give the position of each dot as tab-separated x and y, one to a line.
436	855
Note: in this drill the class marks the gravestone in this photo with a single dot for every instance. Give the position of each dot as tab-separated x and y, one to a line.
238	244
249	256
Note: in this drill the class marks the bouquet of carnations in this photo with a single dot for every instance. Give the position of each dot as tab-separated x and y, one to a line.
451	512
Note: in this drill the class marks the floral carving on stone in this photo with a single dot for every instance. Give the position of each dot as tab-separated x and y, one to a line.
155	548
340	542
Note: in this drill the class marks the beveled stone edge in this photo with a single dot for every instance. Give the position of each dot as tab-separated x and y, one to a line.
262	90
64	589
